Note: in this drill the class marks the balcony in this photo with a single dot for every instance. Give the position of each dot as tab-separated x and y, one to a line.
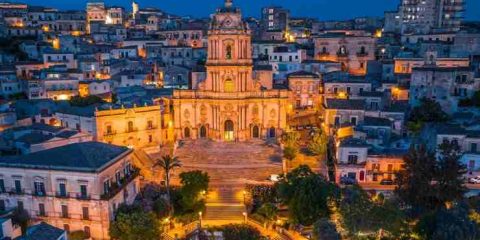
62	195
115	188
323	54
342	54
110	133
362	54
16	191
83	196
39	194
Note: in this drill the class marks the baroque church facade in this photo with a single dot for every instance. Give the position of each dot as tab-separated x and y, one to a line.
230	104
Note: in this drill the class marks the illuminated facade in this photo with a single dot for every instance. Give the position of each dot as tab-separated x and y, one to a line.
75	197
229	105
353	51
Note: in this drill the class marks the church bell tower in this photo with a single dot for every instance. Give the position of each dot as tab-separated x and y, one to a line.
229	64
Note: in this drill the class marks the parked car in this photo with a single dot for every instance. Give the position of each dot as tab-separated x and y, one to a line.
274	178
474	180
386	182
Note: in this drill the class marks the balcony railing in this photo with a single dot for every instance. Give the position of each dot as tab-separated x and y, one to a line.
82	196
62	195
342	54
115	188
110	133
39	193
362	54
17	191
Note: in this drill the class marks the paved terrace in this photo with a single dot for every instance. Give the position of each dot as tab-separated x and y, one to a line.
233	163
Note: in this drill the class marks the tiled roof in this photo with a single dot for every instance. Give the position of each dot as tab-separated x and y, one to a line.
347	104
354	142
303	74
43	231
78	157
375	121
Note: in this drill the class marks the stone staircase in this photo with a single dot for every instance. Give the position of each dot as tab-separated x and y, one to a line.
224	205
230	163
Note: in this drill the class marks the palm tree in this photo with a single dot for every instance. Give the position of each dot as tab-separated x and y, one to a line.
168	163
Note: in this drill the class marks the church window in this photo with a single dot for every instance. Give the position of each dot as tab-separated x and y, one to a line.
229	52
229	86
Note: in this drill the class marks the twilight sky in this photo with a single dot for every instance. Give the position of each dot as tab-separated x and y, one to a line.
322	9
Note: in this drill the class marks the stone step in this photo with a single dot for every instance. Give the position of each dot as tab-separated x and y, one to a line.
224	212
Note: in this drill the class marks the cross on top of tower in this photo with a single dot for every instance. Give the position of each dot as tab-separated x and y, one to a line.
228	3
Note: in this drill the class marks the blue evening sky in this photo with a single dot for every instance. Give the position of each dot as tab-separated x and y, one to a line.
322	9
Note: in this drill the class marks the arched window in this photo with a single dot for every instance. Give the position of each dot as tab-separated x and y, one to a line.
255	132
203	132
228	54
228	85
229	130
362	50
324	50
272	132
130	126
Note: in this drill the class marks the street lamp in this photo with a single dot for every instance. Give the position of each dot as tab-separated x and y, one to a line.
245	216
200	217
244	195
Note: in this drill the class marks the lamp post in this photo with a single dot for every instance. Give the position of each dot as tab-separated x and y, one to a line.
245	217
244	196
200	217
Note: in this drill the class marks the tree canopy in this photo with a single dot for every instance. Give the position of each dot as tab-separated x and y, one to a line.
307	195
132	223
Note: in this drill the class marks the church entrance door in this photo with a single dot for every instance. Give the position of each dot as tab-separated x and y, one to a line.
229	131
203	132
255	132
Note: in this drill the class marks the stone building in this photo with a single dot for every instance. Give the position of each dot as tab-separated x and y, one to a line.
76	187
352	50
229	105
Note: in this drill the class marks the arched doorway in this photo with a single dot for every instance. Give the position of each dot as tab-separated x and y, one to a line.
186	133
203	132
271	132
255	132
229	131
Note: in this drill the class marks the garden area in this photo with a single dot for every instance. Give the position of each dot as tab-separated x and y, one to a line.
159	208
428	203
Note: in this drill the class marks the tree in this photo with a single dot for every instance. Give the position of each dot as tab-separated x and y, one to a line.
290	152
324	229
414	183
240	232
193	184
162	208
85	101
306	194
268	211
362	214
428	111
290	139
318	146
21	218
449	174
135	224
445	224
168	163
